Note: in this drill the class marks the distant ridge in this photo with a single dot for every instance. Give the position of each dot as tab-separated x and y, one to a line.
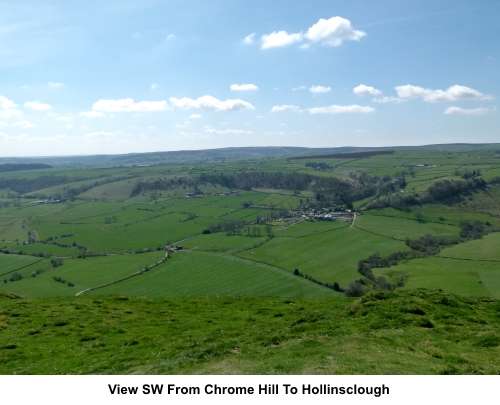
14	167
352	155
210	155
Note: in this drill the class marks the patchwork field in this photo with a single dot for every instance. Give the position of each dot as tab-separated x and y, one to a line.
107	218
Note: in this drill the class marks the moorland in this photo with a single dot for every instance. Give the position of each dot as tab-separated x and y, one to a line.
365	261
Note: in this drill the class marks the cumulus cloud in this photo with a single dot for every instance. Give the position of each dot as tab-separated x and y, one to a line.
23	124
387	100
331	32
37	106
194	116
91	114
128	105
341	109
55	84
243	87
363	90
8	108
279	39
209	103
452	93
278	108
319	89
212	131
6	104
467	111
249	39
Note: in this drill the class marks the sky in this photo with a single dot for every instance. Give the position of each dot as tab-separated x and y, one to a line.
110	77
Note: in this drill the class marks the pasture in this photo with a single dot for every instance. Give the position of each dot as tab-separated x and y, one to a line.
329	256
105	218
194	273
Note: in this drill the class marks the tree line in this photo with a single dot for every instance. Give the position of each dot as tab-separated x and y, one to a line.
424	246
440	190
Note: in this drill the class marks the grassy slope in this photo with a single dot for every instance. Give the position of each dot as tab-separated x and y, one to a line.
400	228
12	229
486	248
10	263
196	273
415	332
329	256
464	277
84	273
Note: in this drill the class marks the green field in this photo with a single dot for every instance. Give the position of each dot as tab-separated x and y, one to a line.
487	248
196	273
11	229
10	263
83	273
413	332
463	277
329	256
399	228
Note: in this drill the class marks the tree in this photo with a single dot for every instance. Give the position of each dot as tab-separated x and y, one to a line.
269	230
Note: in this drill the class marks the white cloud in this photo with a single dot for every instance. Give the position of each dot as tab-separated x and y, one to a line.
209	103
299	88
5	103
194	116
55	84
467	111
387	100
243	87
341	109
154	86
23	124
212	131
333	32
452	93
249	39
91	114
8	108
280	38
274	133
170	37
363	90
37	106
278	108
128	105
319	89
3	124
9	113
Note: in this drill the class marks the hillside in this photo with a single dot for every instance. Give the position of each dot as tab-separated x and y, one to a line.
413	332
272	227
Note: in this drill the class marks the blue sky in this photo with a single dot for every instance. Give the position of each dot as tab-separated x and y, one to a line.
137	76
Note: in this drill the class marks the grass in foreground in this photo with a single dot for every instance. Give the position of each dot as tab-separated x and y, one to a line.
412	332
